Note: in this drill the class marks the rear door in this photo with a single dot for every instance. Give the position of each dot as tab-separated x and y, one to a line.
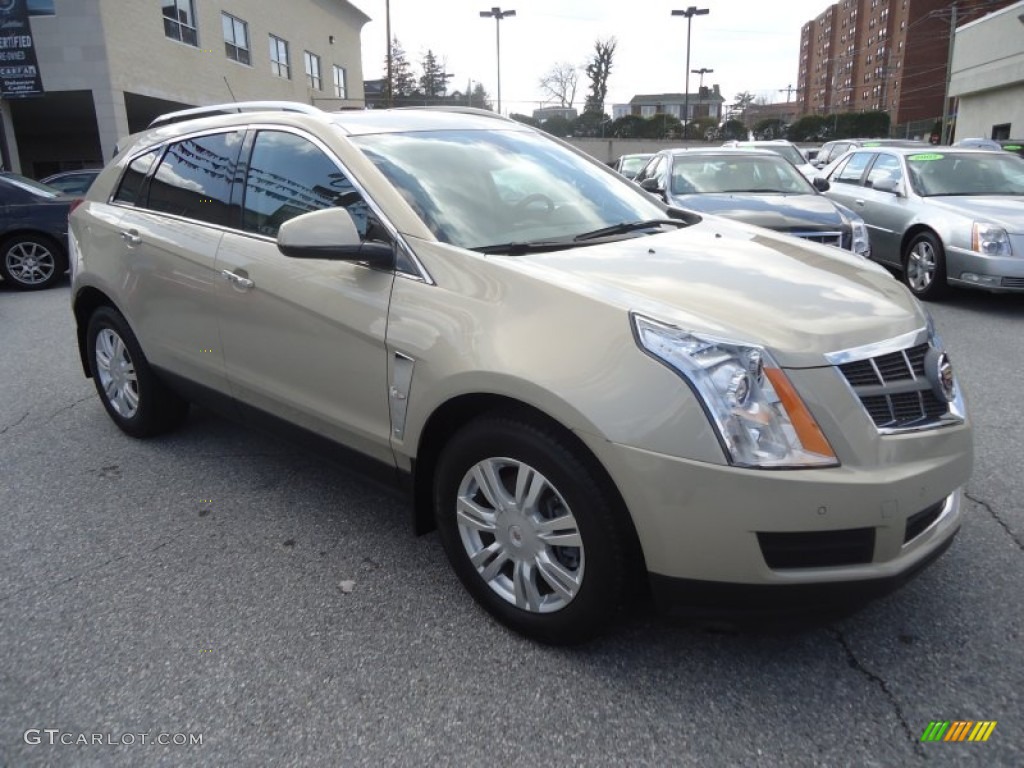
887	214
304	339
171	228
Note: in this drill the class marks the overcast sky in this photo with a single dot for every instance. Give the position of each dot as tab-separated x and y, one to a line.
751	45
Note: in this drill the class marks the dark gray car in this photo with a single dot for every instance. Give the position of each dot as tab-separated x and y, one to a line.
942	216
756	187
33	233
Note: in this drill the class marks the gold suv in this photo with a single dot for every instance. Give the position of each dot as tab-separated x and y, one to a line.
590	394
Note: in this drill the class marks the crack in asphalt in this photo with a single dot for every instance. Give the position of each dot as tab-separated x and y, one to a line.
855	664
85	571
995	516
61	410
12	426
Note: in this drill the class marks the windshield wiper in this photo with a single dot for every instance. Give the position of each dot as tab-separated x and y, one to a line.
628	226
518	248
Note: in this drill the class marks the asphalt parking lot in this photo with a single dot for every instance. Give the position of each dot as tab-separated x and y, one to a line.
220	583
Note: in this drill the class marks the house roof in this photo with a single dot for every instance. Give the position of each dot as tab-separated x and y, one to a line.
675	98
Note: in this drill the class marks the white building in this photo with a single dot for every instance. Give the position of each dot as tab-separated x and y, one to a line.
109	66
987	75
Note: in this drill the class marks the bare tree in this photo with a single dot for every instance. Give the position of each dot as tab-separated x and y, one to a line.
598	70
560	83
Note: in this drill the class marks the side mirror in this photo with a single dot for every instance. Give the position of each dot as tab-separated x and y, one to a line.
331	233
887	185
821	184
651	185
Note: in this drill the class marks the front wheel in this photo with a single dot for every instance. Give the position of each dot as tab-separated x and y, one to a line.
531	530
135	398
924	267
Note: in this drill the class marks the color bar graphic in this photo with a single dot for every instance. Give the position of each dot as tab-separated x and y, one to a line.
959	730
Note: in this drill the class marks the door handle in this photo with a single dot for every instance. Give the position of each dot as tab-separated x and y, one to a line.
131	237
241	282
859	202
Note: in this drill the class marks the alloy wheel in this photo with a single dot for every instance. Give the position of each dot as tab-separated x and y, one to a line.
116	373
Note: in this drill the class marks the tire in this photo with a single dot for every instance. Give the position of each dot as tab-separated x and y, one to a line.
135	398
501	542
31	262
924	267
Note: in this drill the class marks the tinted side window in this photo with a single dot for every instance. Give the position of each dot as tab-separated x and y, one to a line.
652	169
838	150
194	178
854	168
134	176
288	176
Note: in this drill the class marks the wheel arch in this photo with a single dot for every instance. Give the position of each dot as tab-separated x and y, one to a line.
460	410
87	301
912	232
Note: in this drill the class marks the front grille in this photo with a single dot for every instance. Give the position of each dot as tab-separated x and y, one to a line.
894	389
919	523
818	549
1012	282
825	238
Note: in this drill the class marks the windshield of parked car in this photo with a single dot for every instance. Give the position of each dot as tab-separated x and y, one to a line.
787	151
721	174
478	189
934	174
29	185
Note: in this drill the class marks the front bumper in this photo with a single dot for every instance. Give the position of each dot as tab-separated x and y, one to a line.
969	269
700	522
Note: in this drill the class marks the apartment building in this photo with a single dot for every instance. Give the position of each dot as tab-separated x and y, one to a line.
108	67
888	55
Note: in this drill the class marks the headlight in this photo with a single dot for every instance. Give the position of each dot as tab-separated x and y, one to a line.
861	240
989	239
760	419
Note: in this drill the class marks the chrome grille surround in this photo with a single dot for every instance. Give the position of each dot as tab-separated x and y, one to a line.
825	238
890	380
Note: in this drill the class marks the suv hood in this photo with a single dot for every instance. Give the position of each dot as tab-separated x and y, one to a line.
1007	211
776	211
799	300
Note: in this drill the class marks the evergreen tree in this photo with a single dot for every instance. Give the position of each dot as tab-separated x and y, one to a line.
433	81
598	70
403	83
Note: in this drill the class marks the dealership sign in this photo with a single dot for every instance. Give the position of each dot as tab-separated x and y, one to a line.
19	71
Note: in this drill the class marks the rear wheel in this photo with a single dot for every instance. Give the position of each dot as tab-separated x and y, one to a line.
531	531
924	267
135	398
31	263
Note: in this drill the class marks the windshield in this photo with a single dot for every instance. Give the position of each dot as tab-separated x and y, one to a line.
719	174
35	187
477	189
934	174
787	151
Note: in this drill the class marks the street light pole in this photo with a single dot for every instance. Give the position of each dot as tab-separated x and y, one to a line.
498	15
689	13
391	81
702	71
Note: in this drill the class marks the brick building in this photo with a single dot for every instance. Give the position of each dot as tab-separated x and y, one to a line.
887	55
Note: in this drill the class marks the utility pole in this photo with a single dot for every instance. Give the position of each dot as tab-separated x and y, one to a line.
789	90
387	23
946	114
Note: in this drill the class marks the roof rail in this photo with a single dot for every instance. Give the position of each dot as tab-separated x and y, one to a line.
460	109
235	106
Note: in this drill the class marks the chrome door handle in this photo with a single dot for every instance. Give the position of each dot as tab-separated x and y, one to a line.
131	237
241	282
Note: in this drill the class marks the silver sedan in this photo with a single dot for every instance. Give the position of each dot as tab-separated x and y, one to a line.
943	217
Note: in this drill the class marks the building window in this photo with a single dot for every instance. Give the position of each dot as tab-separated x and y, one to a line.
279	58
340	90
180	21
313	71
236	38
